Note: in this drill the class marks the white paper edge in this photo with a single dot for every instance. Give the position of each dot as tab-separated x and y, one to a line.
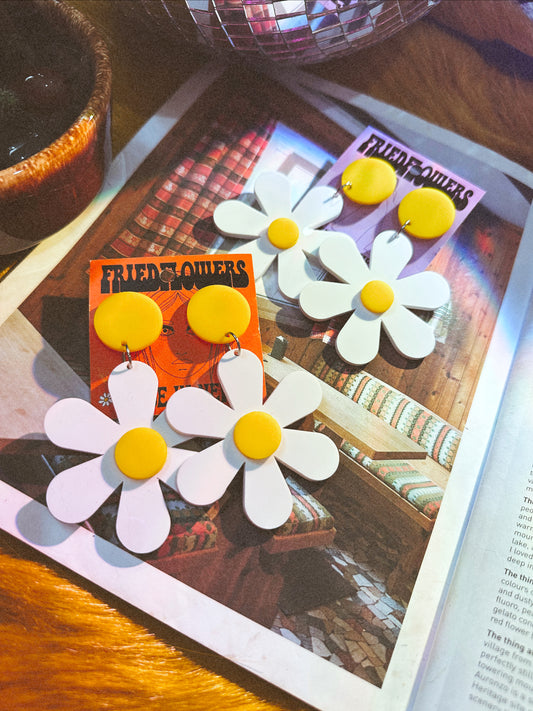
507	458
437	569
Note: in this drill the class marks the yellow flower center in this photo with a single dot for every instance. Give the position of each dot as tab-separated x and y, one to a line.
257	435
283	233
140	453
377	296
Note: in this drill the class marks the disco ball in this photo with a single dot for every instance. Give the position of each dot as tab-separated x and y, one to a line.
286	31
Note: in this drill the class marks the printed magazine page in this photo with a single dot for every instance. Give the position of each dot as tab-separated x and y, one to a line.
340	604
483	654
457	662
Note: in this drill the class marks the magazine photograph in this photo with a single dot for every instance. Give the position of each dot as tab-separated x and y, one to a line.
255	388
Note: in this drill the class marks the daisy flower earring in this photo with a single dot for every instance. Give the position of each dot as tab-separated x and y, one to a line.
278	231
252	433
136	453
375	296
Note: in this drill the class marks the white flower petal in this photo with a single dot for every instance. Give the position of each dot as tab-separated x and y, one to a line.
263	254
390	253
313	455
195	412
143	520
297	395
323	300
318	206
273	193
203	478
75	424
169	434
242	379
175	458
411	336
294	272
426	290
134	392
358	340
340	256
237	219
75	494
267	498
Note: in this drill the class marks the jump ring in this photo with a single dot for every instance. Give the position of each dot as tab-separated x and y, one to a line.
127	354
347	184
238	351
397	233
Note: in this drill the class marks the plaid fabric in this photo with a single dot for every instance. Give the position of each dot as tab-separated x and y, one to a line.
307	514
190	528
436	436
177	217
404	479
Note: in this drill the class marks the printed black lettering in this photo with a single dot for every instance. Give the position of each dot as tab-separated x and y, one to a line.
372	145
161	396
411	169
117	278
104	281
187	275
135	276
242	278
152	282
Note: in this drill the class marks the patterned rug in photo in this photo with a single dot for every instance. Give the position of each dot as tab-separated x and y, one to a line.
357	623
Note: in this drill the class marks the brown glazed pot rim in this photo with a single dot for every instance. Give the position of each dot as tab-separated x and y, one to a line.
31	172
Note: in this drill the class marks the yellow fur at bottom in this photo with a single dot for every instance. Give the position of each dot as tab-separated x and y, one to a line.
63	648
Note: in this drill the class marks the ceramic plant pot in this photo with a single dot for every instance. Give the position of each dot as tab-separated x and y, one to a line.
58	78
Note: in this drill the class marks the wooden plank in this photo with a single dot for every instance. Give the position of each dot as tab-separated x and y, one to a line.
473	367
501	262
349	420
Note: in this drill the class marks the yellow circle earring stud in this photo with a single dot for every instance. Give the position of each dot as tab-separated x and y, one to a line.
426	213
128	321
218	313
368	181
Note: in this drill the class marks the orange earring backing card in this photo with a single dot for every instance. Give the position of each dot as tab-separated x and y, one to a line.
159	299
